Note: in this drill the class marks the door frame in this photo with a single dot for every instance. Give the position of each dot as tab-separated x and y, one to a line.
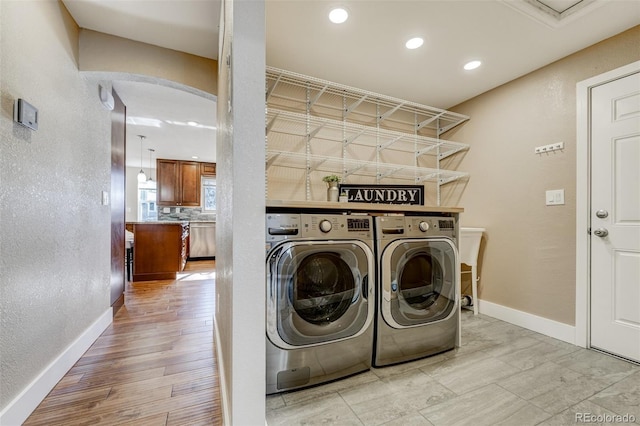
583	196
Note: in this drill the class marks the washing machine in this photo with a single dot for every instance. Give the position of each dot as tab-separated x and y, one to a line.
417	303
320	298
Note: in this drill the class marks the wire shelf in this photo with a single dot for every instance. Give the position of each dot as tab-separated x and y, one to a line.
303	126
316	125
289	90
313	162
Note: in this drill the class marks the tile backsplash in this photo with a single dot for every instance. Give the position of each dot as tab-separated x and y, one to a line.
184	214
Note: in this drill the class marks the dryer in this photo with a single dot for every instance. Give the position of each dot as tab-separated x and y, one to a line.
320	298
417	302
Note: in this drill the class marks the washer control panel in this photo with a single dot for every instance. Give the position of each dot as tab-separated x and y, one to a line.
282	226
336	226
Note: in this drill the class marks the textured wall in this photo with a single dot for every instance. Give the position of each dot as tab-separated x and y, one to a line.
240	295
54	233
529	250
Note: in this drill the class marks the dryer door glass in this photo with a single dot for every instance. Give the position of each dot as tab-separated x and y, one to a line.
421	280
423	275
320	292
323	288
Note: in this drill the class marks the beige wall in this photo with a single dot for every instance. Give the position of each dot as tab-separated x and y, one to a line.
106	53
528	260
54	232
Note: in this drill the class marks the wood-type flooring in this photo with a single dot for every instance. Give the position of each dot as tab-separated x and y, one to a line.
155	365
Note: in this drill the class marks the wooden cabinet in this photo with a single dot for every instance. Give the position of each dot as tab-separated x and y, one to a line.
208	169
160	250
178	183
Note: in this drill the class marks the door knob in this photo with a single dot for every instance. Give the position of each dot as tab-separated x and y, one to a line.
601	232
602	214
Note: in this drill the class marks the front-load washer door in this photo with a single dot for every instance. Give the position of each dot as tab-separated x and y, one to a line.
318	292
418	281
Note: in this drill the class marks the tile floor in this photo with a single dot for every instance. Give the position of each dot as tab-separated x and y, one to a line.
502	375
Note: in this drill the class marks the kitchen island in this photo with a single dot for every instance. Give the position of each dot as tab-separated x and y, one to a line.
161	249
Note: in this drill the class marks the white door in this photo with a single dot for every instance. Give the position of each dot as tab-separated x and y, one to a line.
615	217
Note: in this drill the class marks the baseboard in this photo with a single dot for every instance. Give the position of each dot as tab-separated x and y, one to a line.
23	405
555	329
223	382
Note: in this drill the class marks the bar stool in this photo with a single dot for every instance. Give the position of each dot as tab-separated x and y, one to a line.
468	249
128	239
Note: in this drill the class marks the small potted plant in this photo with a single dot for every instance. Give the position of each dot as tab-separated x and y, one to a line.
332	187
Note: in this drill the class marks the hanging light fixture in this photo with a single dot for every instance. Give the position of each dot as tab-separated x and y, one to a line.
141	176
151	151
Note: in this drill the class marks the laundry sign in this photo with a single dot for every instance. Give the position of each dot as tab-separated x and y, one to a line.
384	194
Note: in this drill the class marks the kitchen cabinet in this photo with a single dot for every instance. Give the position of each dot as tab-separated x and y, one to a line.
161	250
178	183
319	126
208	169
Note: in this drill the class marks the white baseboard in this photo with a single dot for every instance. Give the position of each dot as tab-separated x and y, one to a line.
551	328
223	382
23	405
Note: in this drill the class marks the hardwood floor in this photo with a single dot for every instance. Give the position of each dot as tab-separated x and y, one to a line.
155	365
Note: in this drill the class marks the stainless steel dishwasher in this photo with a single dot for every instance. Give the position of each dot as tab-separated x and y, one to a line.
202	240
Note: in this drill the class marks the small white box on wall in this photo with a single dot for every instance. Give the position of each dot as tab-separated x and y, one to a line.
25	114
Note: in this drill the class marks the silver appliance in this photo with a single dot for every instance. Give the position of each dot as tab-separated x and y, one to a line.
320	298
418	270
202	240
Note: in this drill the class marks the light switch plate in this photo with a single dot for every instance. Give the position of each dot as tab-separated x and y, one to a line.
555	197
105	198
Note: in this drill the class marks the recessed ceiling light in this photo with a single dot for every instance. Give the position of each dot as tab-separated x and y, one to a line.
192	123
195	157
338	15
472	65
414	43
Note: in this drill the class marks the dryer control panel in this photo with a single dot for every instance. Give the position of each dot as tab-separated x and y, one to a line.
393	227
419	226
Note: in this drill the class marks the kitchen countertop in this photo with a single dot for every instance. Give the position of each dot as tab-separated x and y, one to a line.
273	205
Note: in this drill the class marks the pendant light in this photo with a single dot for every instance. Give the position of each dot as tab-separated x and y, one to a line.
151	151
141	176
